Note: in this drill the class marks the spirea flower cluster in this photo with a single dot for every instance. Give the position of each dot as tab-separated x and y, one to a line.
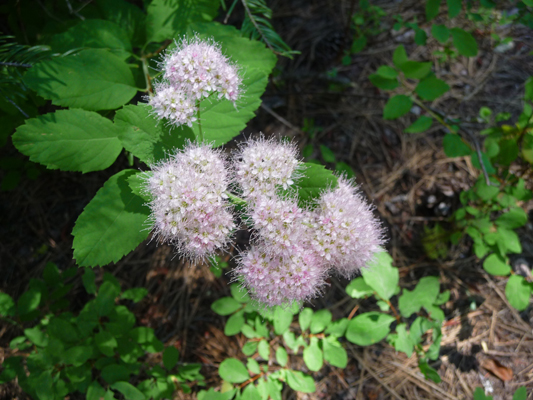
294	248
194	70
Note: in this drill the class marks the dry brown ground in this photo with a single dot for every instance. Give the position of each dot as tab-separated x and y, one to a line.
400	173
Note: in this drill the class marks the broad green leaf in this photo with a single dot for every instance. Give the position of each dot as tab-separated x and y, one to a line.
387	72
93	33
71	140
315	180
250	392
420	125
464	42
105	299
106	343
233	371
282	320
512	219
304	318
239	293
454	146
383	83
36	336
93	79
300	382
337	328
327	154
134	294
95	391
381	276
441	33
399	56
225	306
128	16
234	323
431	88
518	292
253	366
424	295
334	353
454	7
397	106
421	36
146	137
77	355
508	241
432	9
521	392
496	265
62	330
320	321
7	305
169	19
281	356
368	328
111	225
29	301
415	69
358	288
171	356
129	391
249	348
313	356
263	348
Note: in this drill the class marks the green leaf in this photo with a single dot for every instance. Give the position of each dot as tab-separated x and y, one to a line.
126	15
327	154
281	356
146	137
464	42
358	288
114	372
93	33
486	162
527	147
95	391
106	343
518	292
454	146
320	320
496	265
508	241
431	88
428	371
234	323
521	392
441	33
358	44
454	8
421	36
92	79
51	274
77	355
387	72
383	83
424	295
399	56
239	293
263	349
397	106
233	371
129	391
105	299
314	181
7	305
401	340
253	366
304	318
313	356
171	356
134	294
512	219
249	348
282	320
29	301
337	328
420	125
112	224
36	336
300	382
225	306
368	328
88	281
415	69
71	140
168	19
62	330
334	353
432	9
381	276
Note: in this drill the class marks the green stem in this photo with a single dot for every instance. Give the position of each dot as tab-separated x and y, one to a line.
146	75
201	134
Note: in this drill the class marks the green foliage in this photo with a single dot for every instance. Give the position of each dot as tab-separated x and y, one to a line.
67	353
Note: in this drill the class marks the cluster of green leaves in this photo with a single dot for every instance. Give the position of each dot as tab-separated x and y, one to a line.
380	281
95	352
275	335
519	394
366	21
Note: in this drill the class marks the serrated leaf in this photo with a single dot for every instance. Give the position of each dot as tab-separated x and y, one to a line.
431	88
464	42
313	356
420	125
146	137
225	306
397	106
381	276
111	225
71	140
92	79
368	328
126	15
233	371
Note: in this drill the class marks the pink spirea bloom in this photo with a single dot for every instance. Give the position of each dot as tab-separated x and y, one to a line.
346	233
199	68
189	207
280	280
262	166
173	105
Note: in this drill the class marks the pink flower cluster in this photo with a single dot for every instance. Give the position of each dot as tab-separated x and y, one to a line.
295	249
188	203
194	70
